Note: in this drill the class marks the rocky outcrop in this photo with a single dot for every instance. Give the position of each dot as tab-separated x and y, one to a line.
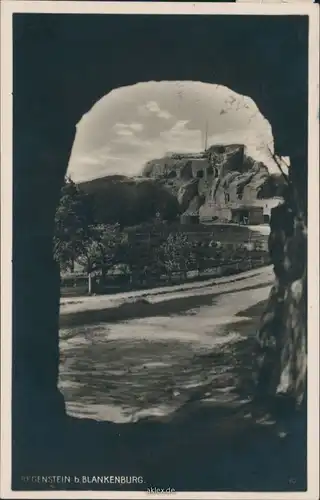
187	193
208	181
282	346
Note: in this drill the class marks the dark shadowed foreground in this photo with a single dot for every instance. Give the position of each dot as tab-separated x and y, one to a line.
172	397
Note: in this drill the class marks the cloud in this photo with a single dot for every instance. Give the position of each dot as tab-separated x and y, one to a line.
137	127
117	126
127	129
164	114
179	126
149	119
179	138
124	131
153	108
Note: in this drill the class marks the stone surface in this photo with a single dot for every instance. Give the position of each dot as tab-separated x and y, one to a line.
207	183
282	336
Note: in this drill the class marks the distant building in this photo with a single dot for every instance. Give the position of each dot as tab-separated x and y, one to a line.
247	214
257	211
232	154
189	219
190	156
206	164
199	168
233	213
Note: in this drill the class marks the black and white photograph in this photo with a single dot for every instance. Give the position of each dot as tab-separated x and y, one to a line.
160	258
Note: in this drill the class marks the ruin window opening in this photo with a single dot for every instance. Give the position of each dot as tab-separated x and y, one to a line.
200	174
266	219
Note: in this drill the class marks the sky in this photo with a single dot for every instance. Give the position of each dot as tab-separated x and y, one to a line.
134	124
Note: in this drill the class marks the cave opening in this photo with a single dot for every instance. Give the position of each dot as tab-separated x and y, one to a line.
133	127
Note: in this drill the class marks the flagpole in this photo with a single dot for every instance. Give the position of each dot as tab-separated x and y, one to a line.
206	137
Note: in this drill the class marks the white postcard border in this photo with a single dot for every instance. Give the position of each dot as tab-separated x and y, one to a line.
178	8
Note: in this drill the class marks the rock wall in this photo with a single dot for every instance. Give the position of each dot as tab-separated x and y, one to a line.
212	180
282	336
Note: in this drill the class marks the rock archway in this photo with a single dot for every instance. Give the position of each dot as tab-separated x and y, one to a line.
62	66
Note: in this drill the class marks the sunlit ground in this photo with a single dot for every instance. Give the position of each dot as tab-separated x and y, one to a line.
123	370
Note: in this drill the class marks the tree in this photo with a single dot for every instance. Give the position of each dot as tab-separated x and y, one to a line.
73	219
176	253
200	254
78	239
98	250
139	258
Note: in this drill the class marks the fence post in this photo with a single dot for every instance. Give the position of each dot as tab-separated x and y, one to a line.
89	283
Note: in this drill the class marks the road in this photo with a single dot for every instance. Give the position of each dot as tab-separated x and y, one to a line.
182	343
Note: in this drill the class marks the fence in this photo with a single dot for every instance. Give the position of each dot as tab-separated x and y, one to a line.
78	285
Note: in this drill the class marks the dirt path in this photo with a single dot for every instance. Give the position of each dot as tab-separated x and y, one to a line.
127	369
238	281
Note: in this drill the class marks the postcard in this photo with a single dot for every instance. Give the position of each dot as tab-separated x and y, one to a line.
160	258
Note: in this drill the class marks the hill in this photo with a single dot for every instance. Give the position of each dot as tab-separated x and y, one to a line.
130	201
201	183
